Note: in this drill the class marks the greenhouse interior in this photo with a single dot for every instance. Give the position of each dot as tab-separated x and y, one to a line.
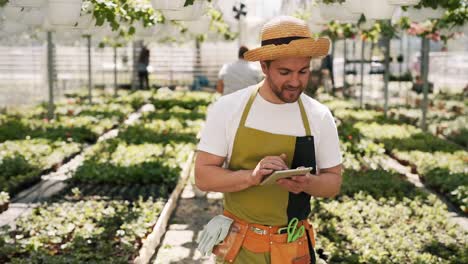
131	131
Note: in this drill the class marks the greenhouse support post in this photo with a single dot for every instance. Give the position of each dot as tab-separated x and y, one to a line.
424	75
344	66
50	74
115	71
90	80
361	99
386	73
332	61
400	65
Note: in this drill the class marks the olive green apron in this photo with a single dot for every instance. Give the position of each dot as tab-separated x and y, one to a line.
269	205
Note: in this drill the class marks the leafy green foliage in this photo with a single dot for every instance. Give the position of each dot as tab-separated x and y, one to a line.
23	161
404	137
80	230
113	161
364	229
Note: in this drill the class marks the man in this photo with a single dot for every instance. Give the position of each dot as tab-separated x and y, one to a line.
237	75
261	129
142	67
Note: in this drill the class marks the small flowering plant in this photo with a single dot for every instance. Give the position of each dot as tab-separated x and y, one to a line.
335	30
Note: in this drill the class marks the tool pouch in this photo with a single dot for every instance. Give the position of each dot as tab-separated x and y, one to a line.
230	247
296	252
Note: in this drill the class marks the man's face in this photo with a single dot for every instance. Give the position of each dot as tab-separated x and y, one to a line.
287	77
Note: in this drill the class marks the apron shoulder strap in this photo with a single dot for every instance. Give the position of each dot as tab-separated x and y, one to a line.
305	120
248	106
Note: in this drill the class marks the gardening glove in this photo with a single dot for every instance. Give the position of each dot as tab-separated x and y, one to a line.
214	233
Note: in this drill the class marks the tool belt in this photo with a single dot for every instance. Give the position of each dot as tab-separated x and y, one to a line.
262	239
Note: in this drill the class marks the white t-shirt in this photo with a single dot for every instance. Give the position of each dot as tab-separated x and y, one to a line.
238	75
224	116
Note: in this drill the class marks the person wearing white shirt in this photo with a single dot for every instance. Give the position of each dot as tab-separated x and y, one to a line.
237	75
251	133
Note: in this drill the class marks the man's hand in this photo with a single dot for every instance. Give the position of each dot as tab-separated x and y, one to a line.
296	184
266	166
326	183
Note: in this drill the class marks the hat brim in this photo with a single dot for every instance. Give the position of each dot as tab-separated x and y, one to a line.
309	47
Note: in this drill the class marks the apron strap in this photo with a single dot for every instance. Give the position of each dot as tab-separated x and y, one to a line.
248	106
305	120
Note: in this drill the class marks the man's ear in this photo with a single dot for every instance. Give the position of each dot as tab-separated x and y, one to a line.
264	67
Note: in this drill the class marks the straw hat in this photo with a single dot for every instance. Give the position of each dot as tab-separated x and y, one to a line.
287	36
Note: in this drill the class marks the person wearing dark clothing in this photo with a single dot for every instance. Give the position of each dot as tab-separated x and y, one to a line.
143	62
327	64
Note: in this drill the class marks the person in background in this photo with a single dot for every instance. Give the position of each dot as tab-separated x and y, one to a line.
143	62
327	70
237	75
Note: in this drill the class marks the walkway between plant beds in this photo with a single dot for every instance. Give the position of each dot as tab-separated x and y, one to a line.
193	211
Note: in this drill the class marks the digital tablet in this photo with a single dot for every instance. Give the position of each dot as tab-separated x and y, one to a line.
272	178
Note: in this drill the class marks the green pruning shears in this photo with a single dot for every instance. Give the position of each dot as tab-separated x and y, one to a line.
293	233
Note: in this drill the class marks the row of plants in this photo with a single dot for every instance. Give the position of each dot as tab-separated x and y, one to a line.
31	145
75	120
445	118
440	163
189	101
80	229
81	129
113	200
379	217
451	126
443	165
22	162
117	162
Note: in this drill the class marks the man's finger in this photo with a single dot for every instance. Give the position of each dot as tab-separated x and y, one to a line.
271	166
278	159
283	156
290	185
265	171
276	162
300	179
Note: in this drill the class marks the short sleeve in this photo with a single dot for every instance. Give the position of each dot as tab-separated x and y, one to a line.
328	151
213	137
222	72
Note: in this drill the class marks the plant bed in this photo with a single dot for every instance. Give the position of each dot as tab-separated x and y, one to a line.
447	173
24	161
380	218
404	137
186	100
177	113
114	161
79	128
81	229
160	131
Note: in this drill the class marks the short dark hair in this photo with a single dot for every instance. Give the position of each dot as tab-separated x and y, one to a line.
242	50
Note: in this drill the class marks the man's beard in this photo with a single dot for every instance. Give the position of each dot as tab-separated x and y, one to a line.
286	93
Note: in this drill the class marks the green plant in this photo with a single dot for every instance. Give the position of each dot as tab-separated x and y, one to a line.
23	161
4	198
80	230
337	31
